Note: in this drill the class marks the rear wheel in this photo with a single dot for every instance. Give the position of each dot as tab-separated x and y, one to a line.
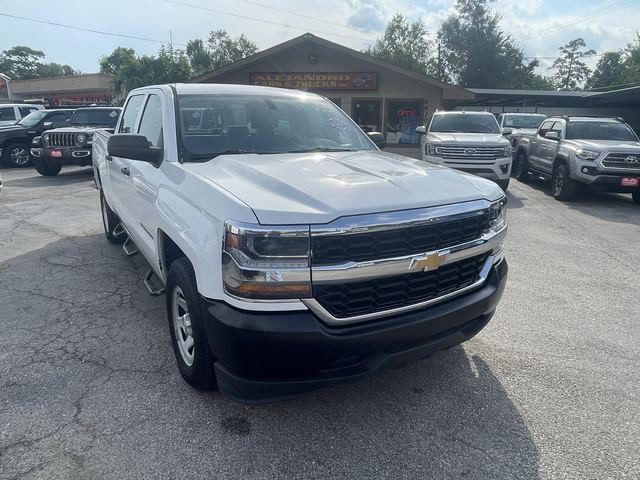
636	196
110	221
17	155
187	314
520	169
48	168
562	186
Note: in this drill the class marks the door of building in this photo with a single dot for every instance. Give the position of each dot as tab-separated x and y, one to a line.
366	113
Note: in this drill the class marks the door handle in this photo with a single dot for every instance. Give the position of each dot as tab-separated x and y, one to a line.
125	171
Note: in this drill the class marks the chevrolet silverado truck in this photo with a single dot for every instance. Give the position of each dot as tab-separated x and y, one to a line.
468	141
294	254
71	144
16	139
518	125
602	153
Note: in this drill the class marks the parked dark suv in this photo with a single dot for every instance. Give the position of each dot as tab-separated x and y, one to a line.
72	144
15	140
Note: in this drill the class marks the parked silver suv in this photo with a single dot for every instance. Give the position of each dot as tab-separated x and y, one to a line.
601	152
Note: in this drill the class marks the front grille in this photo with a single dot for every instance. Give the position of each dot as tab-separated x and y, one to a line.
62	140
619	160
360	247
366	297
470	153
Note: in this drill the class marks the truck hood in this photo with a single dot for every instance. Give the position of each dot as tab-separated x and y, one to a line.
609	145
315	188
11	129
468	138
76	129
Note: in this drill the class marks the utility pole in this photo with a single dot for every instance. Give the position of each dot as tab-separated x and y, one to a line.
440	72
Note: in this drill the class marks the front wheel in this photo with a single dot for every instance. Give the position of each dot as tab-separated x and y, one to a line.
48	168
520	169
187	315
17	155
562	186
636	196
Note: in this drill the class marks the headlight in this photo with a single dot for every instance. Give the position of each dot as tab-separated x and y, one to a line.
36	141
430	149
45	137
586	154
80	138
498	215
266	263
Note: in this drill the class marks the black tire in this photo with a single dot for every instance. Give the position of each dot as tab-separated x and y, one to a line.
562	186
110	221
520	169
503	184
48	168
181	283
16	155
636	196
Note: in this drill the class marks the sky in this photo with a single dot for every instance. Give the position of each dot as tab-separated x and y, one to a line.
538	26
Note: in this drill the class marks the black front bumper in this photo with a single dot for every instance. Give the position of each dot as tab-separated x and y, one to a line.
611	183
268	356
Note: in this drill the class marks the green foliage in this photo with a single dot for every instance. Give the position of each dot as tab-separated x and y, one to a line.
609	71
632	61
405	44
571	71
220	50
21	62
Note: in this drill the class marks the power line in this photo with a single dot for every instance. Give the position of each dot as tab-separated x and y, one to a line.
82	29
246	17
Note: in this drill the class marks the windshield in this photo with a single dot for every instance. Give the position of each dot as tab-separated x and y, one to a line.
33	118
523	121
103	117
464	123
600	131
215	124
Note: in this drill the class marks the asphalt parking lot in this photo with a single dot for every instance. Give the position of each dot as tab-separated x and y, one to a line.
89	387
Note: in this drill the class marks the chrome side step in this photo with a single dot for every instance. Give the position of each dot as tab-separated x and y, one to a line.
119	230
130	248
154	285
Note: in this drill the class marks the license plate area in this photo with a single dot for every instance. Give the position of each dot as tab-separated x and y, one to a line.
55	153
630	181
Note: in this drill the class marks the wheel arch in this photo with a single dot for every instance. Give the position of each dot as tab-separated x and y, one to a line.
169	251
559	159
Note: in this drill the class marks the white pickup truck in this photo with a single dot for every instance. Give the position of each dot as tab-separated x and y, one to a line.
293	252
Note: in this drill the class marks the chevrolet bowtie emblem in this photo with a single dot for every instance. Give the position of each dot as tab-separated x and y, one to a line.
428	261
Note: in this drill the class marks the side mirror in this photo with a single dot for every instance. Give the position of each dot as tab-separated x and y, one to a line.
552	136
421	130
133	147
507	131
377	138
47	124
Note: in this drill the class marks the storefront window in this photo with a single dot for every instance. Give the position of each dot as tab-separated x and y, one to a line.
402	119
366	113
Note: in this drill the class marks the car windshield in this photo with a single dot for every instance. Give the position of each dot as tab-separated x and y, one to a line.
101	117
523	121
33	118
212	125
600	131
464	123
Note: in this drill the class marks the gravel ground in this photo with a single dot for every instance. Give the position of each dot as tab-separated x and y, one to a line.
89	387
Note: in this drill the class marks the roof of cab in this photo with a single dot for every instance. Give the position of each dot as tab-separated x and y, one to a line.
232	89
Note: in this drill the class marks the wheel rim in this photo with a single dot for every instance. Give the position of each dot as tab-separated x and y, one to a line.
558	183
182	325
105	218
19	156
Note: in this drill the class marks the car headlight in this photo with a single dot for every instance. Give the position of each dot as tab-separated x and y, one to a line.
45	137
586	154
266	263
498	215
430	149
80	138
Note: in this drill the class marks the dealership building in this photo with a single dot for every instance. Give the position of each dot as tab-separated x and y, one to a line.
378	95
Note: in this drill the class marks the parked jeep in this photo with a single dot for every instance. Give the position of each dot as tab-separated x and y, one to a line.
16	139
72	144
603	153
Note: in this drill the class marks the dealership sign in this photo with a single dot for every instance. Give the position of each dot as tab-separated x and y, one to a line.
316	80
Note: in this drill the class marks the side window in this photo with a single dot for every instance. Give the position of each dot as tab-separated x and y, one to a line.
545	127
7	113
130	114
557	127
151	121
57	119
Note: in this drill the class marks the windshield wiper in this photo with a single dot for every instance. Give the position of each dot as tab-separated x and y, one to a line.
209	156
321	149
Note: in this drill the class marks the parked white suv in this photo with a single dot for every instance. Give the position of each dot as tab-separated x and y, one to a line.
10	113
294	253
469	141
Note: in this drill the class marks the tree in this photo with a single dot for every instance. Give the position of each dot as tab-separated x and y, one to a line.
476	53
632	62
571	71
221	49
21	62
405	44
609	71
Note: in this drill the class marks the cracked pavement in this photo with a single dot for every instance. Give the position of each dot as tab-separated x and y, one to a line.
89	387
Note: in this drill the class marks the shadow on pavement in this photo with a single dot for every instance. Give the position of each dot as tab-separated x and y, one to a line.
65	177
